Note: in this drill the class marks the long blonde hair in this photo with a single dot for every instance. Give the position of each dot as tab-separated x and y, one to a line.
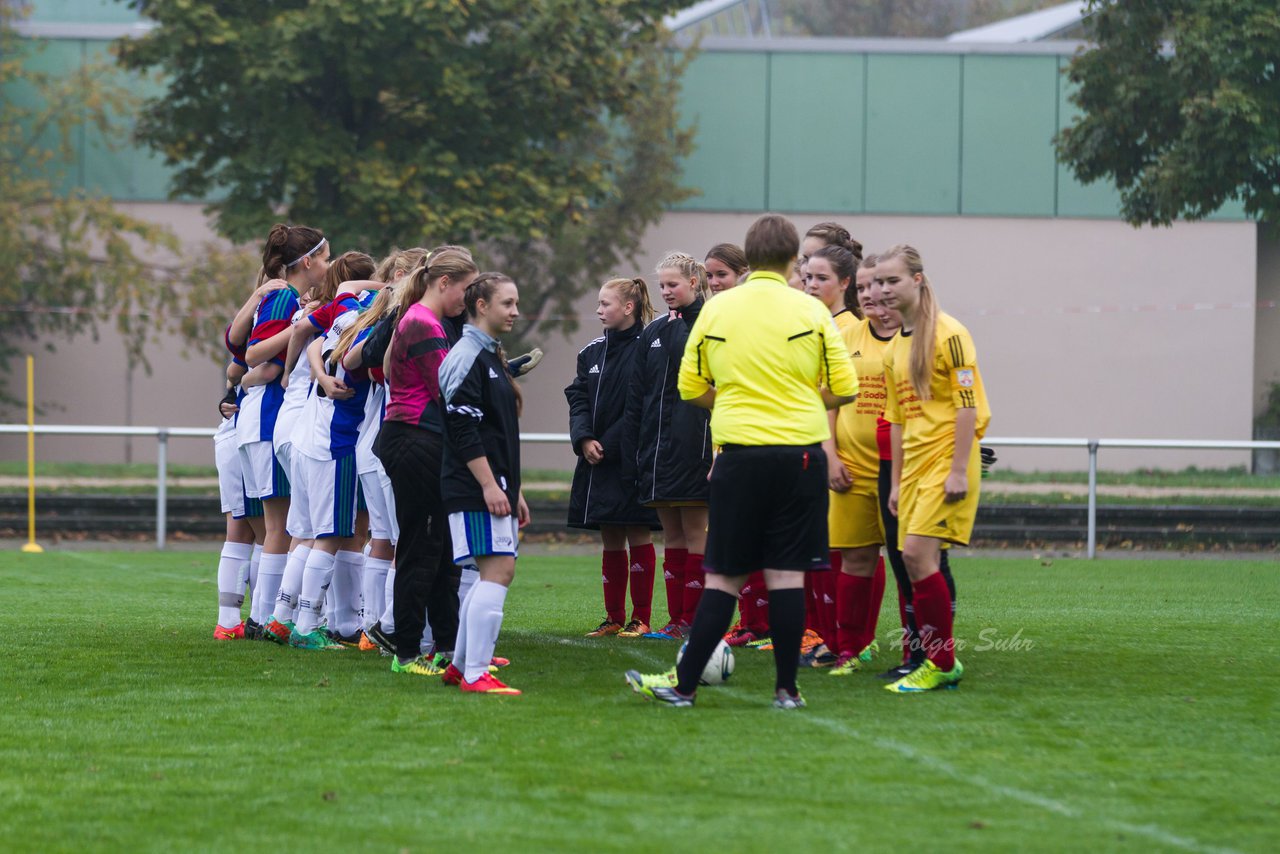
635	291
688	267
399	262
383	303
452	261
926	319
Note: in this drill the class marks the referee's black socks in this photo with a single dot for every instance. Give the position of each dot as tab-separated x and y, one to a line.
710	622
786	625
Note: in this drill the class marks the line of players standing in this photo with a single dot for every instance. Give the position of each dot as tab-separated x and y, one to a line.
645	455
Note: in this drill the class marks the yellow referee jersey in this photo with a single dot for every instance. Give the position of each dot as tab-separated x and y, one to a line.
856	423
929	426
766	349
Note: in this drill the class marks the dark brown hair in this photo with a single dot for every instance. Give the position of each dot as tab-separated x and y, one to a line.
772	243
835	234
730	255
347	267
483	288
845	265
287	245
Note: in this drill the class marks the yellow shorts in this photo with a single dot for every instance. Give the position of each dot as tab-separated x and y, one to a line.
853	517
922	510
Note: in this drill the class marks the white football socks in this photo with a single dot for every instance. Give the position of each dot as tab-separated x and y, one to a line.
483	622
470	575
234	557
344	615
249	571
316	578
373	586
460	645
270	572
286	602
388	618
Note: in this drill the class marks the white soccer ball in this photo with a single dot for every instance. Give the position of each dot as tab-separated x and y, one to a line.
719	667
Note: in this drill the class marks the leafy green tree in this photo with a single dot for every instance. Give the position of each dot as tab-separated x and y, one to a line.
543	132
1180	104
69	260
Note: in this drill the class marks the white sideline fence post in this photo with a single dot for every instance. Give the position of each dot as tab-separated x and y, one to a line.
162	487
1093	499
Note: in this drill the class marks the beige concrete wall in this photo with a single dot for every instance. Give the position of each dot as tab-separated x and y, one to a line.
1267	336
1084	328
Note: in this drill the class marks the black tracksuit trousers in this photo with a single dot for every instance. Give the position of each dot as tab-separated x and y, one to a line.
426	584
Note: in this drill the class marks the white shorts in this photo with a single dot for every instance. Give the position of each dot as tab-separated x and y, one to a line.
264	477
481	535
298	524
330	489
381	505
226	457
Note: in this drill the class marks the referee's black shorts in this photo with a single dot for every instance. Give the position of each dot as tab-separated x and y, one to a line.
768	509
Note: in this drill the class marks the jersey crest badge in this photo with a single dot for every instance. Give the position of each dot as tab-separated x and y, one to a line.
964	377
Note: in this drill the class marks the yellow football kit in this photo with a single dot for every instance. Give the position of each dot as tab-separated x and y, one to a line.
929	431
854	516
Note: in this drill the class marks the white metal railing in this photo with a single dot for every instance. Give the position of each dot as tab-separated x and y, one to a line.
163	434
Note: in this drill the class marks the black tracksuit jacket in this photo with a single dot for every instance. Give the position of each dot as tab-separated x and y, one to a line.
597	398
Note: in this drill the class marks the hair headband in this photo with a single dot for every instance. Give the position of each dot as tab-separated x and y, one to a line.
313	250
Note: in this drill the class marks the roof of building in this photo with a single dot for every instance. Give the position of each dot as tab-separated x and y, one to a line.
1031	27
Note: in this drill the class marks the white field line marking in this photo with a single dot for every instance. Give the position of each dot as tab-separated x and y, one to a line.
98	559
1012	793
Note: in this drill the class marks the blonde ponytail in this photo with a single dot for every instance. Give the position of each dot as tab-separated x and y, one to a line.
925	327
383	303
636	292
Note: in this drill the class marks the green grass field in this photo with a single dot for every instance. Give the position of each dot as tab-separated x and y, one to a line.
1113	705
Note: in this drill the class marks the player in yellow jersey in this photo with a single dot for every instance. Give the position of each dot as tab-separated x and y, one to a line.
938	410
829	278
870	293
836	293
854	479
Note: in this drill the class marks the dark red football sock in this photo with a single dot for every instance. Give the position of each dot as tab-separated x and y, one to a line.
755	605
903	602
846	618
673	577
613	565
695	579
875	600
643	564
932	603
862	590
828	588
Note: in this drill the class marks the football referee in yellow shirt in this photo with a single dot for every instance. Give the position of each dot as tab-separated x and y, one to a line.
768	361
